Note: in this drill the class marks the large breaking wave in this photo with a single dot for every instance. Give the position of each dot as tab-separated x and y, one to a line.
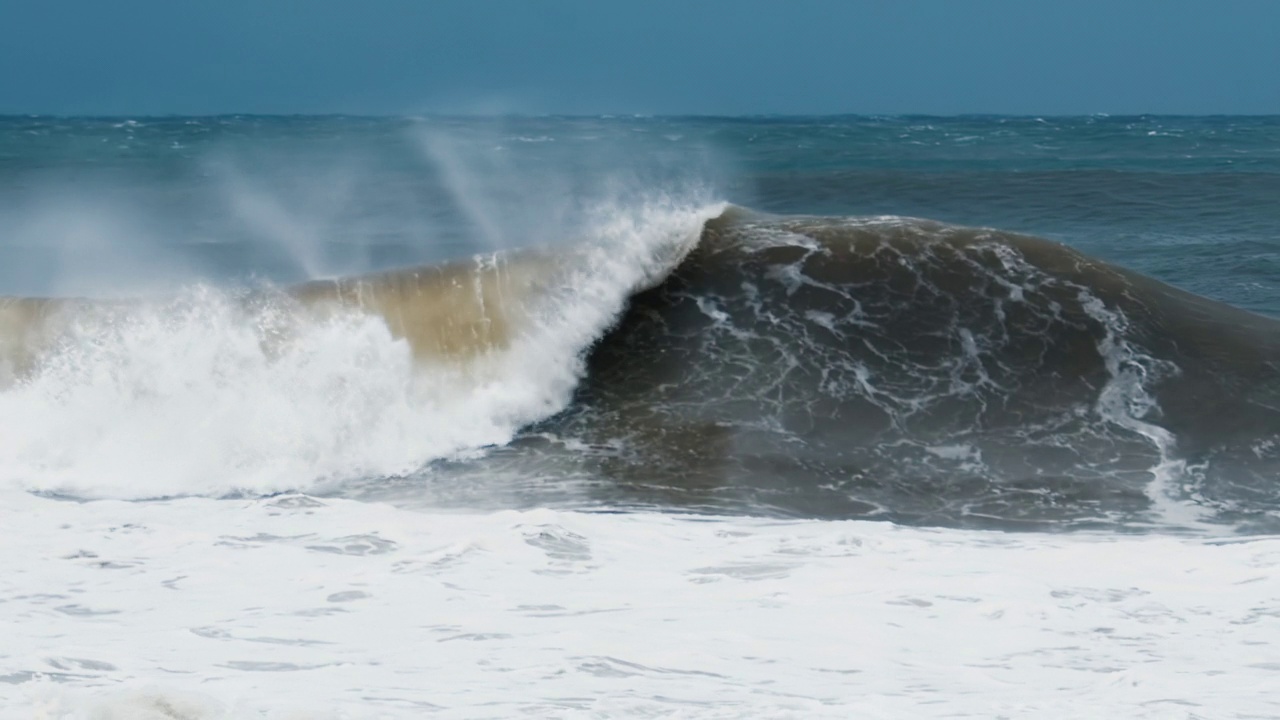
686	355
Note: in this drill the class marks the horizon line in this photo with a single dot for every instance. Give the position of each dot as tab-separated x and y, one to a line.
614	116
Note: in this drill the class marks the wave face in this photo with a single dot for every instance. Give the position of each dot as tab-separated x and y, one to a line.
899	368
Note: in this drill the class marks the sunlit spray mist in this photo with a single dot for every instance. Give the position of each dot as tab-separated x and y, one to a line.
89	244
303	386
511	184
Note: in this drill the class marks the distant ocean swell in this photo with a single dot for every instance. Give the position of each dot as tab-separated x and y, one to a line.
687	354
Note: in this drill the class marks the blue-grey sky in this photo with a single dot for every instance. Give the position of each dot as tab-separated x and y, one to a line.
127	57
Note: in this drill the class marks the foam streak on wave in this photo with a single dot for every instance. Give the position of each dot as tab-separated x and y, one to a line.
1126	401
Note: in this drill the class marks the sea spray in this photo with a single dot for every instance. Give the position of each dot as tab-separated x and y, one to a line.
216	392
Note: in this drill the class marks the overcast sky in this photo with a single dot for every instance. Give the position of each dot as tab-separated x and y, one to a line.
135	57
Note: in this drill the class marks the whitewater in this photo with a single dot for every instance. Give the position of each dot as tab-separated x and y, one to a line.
296	607
555	429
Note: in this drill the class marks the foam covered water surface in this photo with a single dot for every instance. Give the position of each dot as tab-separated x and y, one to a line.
294	607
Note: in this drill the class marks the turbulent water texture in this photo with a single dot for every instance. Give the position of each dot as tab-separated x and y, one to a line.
359	417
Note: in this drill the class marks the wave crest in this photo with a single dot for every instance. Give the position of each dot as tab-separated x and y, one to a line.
215	392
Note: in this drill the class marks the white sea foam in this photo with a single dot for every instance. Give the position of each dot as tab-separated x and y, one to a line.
297	608
191	396
1126	402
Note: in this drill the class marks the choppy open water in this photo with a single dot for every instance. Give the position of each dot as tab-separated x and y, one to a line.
883	417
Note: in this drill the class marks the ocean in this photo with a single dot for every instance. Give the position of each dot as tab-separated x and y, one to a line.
350	417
